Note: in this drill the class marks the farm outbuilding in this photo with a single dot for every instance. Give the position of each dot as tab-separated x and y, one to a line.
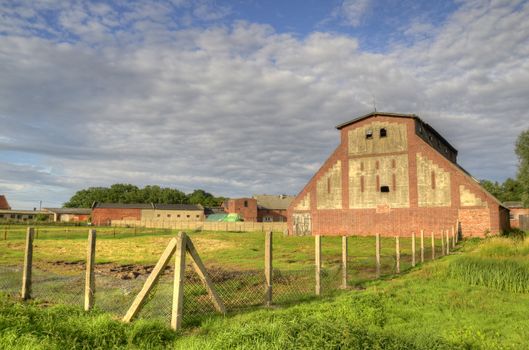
393	174
104	213
70	214
4	205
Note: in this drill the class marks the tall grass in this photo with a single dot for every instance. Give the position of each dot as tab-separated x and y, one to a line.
501	263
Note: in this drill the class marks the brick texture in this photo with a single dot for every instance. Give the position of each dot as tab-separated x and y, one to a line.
491	217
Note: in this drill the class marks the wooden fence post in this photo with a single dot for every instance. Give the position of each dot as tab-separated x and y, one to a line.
433	246
447	243
453	238
397	254
443	252
151	281
377	254
5	233
178	287
317	258
268	268
28	261
344	262
89	291
202	273
413	249
422	246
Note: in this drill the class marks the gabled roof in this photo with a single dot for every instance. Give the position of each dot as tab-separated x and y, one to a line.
75	211
397	115
267	201
513	204
149	206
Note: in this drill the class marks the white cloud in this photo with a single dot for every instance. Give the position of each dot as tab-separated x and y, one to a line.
242	109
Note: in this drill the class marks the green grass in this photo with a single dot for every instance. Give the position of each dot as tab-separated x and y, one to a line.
421	310
438	305
241	250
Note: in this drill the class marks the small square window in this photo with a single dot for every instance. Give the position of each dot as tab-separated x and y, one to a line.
168	215
189	216
384	189
158	215
369	134
383	132
198	216
178	216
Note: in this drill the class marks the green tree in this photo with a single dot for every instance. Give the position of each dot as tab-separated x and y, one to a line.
127	193
494	188
522	151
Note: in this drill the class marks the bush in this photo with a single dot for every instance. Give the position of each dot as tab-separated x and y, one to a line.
515	233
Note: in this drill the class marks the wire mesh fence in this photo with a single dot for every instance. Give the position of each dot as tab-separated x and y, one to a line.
116	285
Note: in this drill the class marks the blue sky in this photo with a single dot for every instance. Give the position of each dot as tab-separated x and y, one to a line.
241	97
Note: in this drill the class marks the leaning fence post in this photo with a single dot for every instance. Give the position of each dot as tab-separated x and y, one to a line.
377	254
344	262
422	246
453	238
413	249
179	275
268	268
317	253
397	254
90	286
433	246
28	260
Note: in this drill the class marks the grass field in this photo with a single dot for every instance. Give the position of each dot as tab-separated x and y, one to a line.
427	308
474	299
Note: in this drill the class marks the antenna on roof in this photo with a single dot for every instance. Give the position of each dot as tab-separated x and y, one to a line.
374	103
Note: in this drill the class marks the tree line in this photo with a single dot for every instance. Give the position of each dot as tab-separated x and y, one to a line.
516	189
127	193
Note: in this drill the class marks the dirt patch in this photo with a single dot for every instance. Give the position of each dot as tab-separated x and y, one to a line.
132	271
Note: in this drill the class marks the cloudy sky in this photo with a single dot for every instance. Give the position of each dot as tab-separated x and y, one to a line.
241	97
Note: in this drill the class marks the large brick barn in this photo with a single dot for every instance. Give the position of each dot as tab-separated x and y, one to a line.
393	174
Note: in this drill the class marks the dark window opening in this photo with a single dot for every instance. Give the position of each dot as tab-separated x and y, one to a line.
369	134
188	216
246	204
384	188
361	184
158	215
168	215
383	132
433	180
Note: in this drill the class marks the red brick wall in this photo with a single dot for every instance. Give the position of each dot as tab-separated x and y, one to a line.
516	212
403	221
276	214
236	206
103	216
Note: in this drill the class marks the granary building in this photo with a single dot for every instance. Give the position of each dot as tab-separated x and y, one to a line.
393	174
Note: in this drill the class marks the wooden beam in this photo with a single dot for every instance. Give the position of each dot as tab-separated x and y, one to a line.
422	246
28	262
151	281
377	254
268	268
447	243
201	271
344	262
397	254
413	249
90	287
317	261
179	276
433	246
